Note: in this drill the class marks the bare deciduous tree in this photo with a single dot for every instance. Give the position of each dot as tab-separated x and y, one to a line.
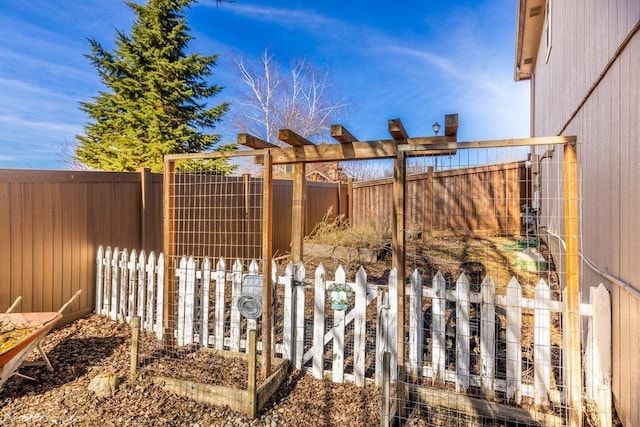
302	99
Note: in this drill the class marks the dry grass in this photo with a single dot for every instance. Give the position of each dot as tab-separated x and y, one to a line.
336	231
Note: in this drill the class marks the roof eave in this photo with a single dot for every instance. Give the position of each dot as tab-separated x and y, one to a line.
529	24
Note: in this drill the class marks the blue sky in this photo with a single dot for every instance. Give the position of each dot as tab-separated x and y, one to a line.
416	60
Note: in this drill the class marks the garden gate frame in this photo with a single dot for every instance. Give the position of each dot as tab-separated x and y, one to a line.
399	148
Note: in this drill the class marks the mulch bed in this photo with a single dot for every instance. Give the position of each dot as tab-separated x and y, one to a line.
89	346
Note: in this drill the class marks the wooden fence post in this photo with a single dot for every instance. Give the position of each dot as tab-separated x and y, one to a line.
267	256
146	213
572	302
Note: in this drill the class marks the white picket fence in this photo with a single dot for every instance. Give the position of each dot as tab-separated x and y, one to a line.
129	285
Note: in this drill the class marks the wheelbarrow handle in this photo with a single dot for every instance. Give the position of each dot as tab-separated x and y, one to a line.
68	303
14	305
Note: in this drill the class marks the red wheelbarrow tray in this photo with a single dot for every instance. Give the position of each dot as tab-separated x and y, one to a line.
12	358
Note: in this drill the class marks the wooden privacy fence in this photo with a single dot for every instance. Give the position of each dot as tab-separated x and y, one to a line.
493	198
349	345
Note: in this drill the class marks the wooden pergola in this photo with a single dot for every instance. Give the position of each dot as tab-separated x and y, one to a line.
400	146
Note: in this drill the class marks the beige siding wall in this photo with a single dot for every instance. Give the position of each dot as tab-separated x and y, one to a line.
585	36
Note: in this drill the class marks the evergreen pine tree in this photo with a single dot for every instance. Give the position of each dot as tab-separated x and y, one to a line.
157	98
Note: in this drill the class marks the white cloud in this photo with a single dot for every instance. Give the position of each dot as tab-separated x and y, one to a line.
51	127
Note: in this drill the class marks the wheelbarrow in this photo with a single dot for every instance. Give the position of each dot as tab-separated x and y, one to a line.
21	334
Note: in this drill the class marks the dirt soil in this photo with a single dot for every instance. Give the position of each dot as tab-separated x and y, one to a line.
93	345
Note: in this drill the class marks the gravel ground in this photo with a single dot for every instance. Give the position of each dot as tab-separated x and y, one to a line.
93	345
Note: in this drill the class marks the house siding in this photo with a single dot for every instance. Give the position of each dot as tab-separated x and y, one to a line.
586	35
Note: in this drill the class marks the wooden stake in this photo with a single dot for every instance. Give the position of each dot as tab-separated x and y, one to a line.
135	346
385	406
572	230
252	407
267	254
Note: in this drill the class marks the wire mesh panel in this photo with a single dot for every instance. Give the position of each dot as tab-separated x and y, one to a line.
212	292
485	324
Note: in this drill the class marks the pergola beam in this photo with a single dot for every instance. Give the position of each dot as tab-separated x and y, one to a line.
381	149
342	135
397	130
292	138
254	142
451	124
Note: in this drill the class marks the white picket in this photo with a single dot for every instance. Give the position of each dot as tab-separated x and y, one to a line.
514	339
141	289
150	274
463	354
318	322
392	337
253	269
382	331
219	313
360	326
123	285
132	285
160	297
487	336
186	301
438	327
542	344
289	311
236	289
115	284
106	284
300	273
205	285
416	324
99	279
337	367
